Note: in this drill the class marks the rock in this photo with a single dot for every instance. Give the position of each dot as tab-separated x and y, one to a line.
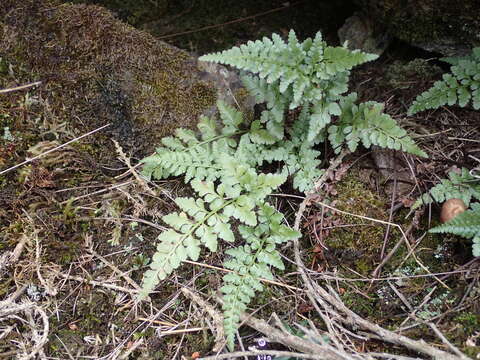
95	70
361	33
229	87
448	27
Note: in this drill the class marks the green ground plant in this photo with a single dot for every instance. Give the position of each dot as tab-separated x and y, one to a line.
460	185
461	87
303	88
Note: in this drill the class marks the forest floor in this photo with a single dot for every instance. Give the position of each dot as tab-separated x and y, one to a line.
77	252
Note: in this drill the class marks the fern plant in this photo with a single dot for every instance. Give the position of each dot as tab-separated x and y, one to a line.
461	185
461	87
223	160
466	224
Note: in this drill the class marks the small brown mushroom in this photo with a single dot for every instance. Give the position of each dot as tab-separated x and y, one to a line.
452	208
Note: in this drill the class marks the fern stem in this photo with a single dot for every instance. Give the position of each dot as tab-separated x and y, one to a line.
220	137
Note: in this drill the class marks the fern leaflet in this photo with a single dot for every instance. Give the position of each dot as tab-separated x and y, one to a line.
460	186
366	123
460	87
466	224
250	263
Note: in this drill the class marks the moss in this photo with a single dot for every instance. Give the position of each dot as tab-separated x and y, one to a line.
105	72
360	305
355	242
185	103
402	75
472	351
134	12
470	323
427	21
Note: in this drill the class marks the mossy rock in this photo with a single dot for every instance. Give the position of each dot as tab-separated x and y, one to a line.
443	26
133	11
96	70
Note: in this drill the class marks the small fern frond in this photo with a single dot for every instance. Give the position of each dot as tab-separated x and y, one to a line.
466	224
201	222
340	59
294	74
458	186
250	263
196	155
460	87
368	124
204	220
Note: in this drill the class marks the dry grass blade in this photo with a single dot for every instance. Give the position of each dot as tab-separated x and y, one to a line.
52	150
22	87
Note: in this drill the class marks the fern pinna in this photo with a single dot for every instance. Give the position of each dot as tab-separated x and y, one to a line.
222	159
460	185
466	224
460	87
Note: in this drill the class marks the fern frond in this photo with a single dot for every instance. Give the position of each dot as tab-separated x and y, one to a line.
250	263
293	73
368	124
460	87
466	224
460	186
194	155
202	221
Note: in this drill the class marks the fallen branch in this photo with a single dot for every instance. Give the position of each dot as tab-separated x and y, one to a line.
331	302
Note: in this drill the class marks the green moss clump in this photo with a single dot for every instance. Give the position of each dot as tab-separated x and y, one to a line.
470	323
134	12
361	305
105	72
353	241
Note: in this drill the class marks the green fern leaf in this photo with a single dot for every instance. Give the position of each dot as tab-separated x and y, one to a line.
466	224
339	59
366	123
460	87
202	221
458	186
293	73
260	135
320	118
173	248
231	118
251	262
196	158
